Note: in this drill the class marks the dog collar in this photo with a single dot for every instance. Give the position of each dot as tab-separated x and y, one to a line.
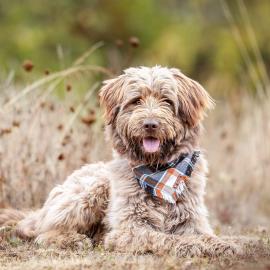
168	181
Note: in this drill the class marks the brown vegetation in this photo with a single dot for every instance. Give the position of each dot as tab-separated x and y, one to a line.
41	143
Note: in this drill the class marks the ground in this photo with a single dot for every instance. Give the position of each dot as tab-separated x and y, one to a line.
16	254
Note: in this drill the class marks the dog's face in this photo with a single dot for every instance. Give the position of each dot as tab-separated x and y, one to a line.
153	113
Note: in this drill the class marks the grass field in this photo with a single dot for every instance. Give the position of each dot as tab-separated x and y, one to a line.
44	140
14	254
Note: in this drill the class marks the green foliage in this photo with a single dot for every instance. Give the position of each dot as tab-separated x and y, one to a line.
195	36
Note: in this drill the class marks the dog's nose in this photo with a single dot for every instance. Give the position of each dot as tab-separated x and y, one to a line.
150	125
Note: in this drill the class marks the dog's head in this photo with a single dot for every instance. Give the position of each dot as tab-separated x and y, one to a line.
153	113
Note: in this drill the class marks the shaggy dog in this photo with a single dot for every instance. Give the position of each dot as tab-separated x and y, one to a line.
153	117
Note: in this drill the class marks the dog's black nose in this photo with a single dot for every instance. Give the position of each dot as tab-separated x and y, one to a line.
150	125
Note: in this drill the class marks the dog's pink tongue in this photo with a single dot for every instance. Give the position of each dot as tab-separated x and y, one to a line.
150	145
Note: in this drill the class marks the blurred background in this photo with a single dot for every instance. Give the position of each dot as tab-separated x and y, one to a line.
54	56
224	44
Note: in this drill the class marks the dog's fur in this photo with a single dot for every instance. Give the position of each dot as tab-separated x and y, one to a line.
105	202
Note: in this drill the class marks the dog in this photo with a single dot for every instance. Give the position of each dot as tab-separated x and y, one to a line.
154	120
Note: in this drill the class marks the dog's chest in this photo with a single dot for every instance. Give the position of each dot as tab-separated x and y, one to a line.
129	198
130	201
164	216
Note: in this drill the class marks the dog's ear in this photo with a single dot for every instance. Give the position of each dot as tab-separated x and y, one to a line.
193	99
111	96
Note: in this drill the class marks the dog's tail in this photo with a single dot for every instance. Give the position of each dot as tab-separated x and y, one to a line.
10	217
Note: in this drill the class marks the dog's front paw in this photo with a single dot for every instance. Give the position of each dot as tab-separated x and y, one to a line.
226	249
189	250
79	242
120	241
72	241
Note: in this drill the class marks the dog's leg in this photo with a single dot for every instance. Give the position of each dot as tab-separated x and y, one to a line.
10	217
146	240
142	240
215	246
73	207
64	240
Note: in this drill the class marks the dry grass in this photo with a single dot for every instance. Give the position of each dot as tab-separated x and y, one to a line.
15	254
41	142
238	148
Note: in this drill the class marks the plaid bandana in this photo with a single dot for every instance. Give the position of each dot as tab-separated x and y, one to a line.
167	182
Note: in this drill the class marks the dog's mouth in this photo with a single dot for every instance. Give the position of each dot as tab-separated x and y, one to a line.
151	144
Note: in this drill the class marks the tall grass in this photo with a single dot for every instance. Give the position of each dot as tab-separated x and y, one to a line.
256	68
236	140
43	138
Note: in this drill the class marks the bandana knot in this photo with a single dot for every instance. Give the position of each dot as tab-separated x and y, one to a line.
168	181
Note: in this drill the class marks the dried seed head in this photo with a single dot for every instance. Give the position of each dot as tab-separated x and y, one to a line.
134	42
28	65
61	157
68	87
5	131
60	127
46	72
15	123
89	119
51	107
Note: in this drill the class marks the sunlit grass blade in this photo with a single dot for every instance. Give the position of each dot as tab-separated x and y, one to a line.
84	56
61	74
243	50
254	43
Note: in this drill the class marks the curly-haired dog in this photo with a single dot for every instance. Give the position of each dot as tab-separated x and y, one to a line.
154	121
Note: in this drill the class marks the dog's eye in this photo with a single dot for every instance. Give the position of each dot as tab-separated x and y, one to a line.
168	101
136	101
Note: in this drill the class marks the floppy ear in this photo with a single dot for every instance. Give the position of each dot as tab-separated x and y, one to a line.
193	99
111	96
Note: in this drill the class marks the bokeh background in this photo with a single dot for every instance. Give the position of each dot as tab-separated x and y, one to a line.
221	43
55	54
